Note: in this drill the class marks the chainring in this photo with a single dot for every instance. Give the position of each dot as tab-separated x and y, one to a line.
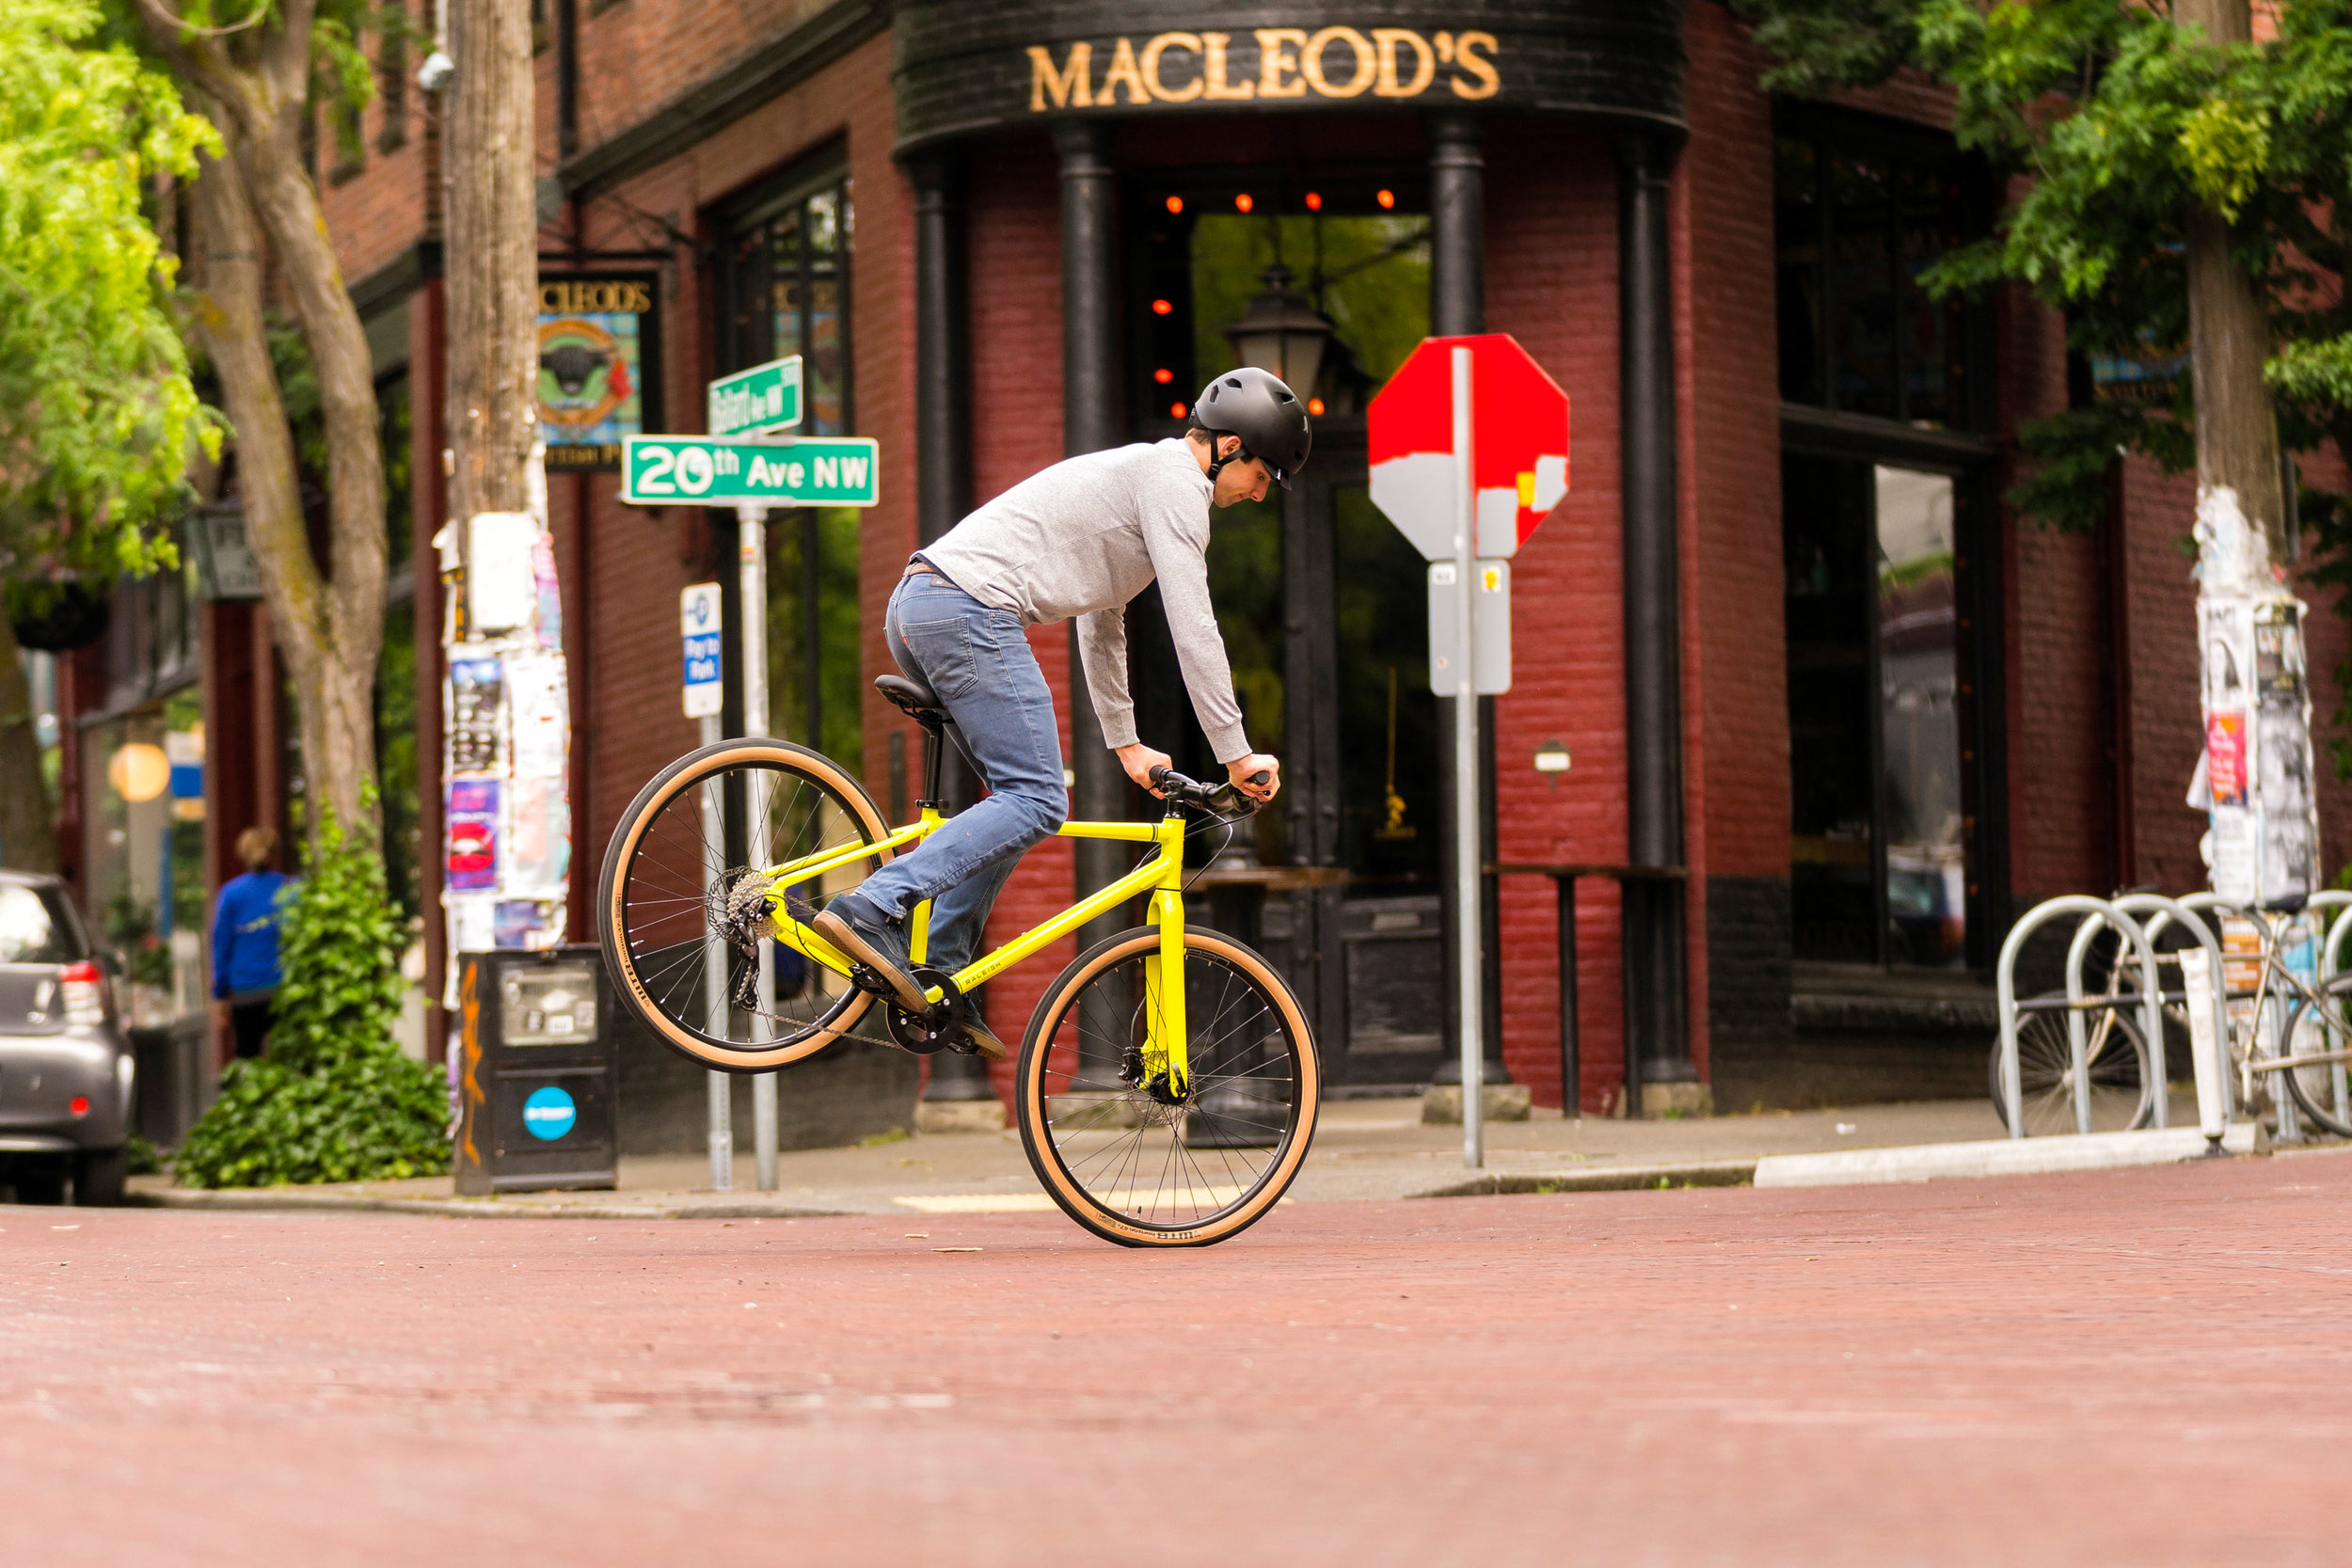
937	1026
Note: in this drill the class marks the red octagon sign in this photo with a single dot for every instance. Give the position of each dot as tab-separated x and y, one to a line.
1518	441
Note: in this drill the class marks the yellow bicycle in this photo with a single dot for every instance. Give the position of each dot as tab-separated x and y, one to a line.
1168	1084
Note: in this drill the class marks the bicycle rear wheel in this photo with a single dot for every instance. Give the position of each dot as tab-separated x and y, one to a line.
679	906
2123	1098
1112	1150
2321	1091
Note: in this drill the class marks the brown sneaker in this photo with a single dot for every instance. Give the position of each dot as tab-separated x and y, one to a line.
871	947
983	1043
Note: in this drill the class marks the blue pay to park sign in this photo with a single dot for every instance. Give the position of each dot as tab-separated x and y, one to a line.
698	629
825	471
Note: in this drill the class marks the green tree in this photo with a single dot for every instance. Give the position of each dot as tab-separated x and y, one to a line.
2185	188
97	421
261	70
334	1101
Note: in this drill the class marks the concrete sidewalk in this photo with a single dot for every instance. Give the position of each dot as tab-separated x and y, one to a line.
1364	1149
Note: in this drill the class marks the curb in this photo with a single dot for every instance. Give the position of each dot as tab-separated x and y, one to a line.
262	1199
2002	1157
1608	1178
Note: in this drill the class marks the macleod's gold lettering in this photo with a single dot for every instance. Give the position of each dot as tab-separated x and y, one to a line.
1212	70
1390	62
1066	87
1424	62
1484	70
590	296
1154	53
1124	74
1277	62
1311	60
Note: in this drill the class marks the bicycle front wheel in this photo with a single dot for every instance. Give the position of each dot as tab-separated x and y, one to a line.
680	905
2122	1097
1115	1150
2316	1026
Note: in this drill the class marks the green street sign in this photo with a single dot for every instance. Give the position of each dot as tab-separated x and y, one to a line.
703	470
759	402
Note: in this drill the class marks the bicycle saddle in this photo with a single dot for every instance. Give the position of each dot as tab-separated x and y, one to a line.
910	695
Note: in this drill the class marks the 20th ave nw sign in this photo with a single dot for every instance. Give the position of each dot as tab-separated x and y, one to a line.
703	470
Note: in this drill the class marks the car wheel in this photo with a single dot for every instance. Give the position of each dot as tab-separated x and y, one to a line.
42	1181
98	1176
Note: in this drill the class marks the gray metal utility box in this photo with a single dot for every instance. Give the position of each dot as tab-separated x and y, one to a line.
538	1073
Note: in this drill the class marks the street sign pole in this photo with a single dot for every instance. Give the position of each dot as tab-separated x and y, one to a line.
721	1090
1468	971
698	624
752	551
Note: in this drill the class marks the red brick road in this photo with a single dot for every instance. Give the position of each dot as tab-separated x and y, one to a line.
2136	1367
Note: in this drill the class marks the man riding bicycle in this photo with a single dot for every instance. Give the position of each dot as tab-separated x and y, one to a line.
1078	539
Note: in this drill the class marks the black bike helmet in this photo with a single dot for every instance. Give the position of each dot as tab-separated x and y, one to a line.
1266	415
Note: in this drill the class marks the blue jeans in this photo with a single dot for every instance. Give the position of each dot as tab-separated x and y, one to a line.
977	660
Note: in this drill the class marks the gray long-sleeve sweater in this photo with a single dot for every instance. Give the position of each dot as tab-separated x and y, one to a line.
1084	537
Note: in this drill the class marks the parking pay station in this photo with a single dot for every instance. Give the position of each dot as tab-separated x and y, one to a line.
540	1071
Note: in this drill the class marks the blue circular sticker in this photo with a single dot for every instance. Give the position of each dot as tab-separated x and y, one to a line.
550	1112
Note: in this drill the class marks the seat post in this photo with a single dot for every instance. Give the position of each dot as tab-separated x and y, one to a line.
931	767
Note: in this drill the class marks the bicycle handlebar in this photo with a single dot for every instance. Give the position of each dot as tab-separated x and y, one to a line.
1221	797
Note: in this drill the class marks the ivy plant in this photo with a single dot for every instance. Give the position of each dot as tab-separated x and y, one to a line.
335	1099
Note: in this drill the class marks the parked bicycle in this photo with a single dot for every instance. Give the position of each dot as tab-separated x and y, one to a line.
1168	1084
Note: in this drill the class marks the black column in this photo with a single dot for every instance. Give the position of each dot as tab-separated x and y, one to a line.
1658	1046
1457	307
943	466
1091	420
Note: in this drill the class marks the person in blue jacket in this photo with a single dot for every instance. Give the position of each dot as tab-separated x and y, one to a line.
245	942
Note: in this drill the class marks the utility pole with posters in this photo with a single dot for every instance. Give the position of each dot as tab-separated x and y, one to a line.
2256	786
506	734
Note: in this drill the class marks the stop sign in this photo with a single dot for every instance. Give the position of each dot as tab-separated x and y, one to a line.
1519	430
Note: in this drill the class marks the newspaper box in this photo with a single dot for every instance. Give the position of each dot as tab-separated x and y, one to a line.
538	1073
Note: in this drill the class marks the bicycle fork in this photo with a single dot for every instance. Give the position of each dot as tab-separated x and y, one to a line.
1165	1035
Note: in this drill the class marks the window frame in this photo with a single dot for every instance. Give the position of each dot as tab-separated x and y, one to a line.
1826	127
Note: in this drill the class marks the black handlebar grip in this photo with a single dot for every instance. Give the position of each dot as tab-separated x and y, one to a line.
1260	777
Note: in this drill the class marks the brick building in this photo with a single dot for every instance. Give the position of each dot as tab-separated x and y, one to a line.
1800	659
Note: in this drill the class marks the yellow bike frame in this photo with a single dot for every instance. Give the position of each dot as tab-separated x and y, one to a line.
1161	875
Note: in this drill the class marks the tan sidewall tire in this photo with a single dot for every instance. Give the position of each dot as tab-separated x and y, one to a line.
665	786
1029	1093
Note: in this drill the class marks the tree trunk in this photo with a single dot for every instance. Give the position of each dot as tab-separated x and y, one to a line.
493	258
28	834
2229	338
328	623
226	307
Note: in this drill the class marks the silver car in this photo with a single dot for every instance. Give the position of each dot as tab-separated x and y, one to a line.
65	1068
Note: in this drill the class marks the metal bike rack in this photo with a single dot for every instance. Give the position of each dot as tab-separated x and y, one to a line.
2166	911
2078	1052
2151	1011
2266	1024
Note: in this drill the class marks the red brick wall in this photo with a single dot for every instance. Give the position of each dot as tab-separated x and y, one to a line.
2064	812
1016	260
640	559
1551	250
380	212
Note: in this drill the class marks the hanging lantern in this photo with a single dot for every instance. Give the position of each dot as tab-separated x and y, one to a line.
1281	333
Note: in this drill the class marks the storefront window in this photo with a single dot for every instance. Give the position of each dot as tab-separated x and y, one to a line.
787	277
1878	848
784	280
1859	218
